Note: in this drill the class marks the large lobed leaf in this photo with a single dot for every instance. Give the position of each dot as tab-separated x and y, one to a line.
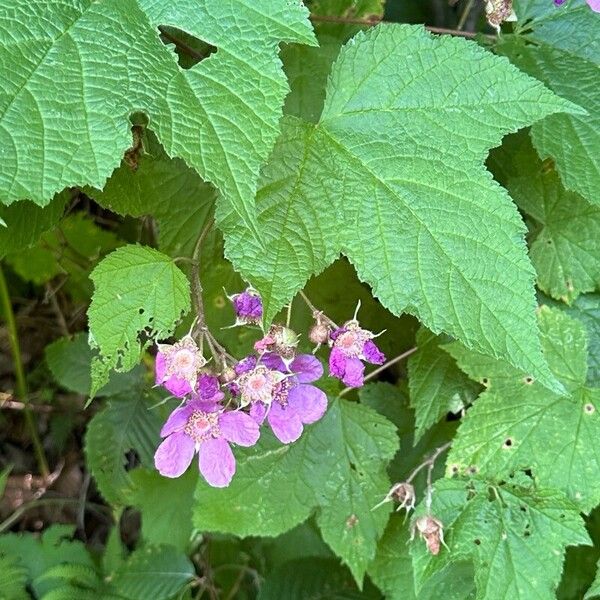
338	466
392	176
518	424
80	68
560	46
515	535
137	289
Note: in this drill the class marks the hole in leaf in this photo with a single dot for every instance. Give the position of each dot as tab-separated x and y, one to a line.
472	470
508	442
485	381
189	49
589	408
528	380
477	542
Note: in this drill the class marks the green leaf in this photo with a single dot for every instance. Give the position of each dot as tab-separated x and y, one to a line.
79	69
594	590
502	528
392	570
70	360
338	466
309	579
71	249
165	505
517	424
560	47
564	226
13	578
137	289
437	386
157	572
456	244
126	423
37	553
25	222
165	188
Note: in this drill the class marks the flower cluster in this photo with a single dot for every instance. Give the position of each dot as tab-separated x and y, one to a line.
272	386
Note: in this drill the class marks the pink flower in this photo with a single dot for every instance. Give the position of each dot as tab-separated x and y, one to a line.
290	402
177	366
350	346
205	428
594	5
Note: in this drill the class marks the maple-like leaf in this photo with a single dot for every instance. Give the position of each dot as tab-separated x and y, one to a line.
392	176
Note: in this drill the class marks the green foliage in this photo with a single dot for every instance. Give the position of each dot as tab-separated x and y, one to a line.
517	424
127	423
164	522
70	360
25	222
564	227
310	578
561	48
338	466
437	386
515	534
36	556
137	289
230	102
332	188
594	590
165	188
156	572
13	578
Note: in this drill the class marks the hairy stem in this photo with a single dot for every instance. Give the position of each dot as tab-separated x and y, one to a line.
383	367
465	14
315	311
21	384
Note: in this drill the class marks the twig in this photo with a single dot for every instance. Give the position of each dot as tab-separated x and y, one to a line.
51	297
316	311
372	22
196	284
383	367
21	383
429	461
7	402
465	15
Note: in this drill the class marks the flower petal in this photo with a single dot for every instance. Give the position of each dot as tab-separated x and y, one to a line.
353	375
337	363
307	368
177	386
160	368
258	411
177	420
174	455
208	388
308	402
285	423
246	364
239	428
273	361
594	5
216	462
372	353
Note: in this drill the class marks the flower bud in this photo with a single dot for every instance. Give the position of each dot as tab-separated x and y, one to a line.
227	375
319	333
248	307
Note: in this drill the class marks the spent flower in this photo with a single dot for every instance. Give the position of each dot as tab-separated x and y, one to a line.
431	530
248	307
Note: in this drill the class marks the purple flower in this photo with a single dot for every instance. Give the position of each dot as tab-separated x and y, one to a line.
350	346
177	366
208	389
559	2
594	5
205	428
248	307
291	402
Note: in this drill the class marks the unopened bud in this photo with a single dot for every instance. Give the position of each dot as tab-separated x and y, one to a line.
319	333
227	375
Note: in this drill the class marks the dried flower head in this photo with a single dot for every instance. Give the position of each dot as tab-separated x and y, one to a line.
431	530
